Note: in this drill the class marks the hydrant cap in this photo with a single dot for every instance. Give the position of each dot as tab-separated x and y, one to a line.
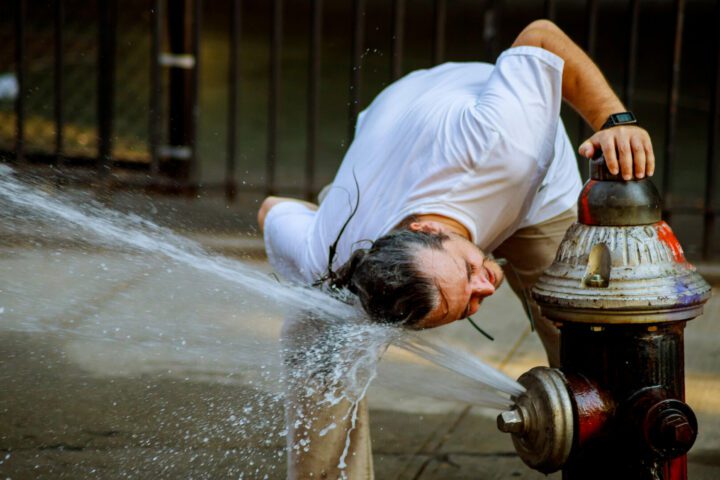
607	199
541	423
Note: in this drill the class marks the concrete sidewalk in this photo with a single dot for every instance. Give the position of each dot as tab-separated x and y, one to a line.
119	365
88	392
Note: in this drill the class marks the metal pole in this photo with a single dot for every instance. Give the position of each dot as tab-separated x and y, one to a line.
313	95
106	83
673	95
21	67
398	35
155	114
550	10
233	79
631	63
358	41
58	84
194	116
591	22
440	17
183	30
274	101
713	141
490	30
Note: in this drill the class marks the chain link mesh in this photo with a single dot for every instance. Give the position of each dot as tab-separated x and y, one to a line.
80	79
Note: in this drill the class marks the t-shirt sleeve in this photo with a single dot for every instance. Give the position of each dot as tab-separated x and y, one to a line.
287	227
521	100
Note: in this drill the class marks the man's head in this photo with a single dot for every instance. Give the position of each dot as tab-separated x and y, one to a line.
424	275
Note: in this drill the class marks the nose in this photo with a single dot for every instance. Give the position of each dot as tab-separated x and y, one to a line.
482	286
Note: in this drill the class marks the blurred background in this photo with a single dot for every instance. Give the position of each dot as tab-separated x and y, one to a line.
241	98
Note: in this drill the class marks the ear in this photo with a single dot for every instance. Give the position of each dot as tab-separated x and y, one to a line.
426	226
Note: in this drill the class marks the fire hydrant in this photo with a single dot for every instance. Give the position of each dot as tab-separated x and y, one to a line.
620	291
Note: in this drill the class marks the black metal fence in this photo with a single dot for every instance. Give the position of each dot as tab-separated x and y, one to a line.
125	82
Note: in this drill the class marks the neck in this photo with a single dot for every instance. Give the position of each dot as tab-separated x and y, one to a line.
451	224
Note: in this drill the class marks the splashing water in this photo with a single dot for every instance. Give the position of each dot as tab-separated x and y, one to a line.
145	331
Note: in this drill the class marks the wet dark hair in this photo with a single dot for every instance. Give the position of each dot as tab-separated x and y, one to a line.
386	278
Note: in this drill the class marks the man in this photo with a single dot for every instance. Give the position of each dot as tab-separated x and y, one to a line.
450	164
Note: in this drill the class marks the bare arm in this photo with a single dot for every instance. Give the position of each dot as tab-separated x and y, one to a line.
586	90
270	202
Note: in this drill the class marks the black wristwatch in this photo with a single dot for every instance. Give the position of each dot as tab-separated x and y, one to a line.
622	118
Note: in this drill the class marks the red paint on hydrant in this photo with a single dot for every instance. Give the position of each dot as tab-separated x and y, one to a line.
667	237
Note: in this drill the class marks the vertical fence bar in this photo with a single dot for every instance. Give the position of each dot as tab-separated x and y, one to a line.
631	60
233	79
713	142
398	37
58	79
591	26
672	106
193	170
106	82
590	44
358	43
313	95
155	114
175	158
274	100
440	19
21	72
550	9
490	30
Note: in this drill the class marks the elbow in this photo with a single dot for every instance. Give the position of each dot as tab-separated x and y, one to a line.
265	207
537	33
544	24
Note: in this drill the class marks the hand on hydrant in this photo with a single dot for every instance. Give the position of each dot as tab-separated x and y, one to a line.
623	147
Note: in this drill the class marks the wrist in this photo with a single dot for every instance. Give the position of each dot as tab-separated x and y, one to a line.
603	111
618	119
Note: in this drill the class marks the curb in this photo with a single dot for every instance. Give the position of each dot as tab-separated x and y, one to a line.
230	244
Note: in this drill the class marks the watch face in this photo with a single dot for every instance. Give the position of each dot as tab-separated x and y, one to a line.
624	117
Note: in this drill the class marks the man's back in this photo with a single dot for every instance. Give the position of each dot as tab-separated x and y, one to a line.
469	141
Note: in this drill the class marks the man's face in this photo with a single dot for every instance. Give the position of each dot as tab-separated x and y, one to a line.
464	277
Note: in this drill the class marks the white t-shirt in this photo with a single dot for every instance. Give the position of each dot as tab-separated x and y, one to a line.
480	143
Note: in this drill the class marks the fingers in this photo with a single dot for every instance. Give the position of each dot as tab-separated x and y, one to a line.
625	154
627	150
639	157
608	148
587	149
649	157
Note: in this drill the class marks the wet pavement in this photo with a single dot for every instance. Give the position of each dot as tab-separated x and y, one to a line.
80	400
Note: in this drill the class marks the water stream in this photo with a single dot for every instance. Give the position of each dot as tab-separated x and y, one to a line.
130	297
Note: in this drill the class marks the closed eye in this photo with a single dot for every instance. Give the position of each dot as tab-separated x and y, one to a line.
470	270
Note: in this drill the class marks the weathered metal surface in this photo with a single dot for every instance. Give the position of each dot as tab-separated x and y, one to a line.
541	423
608	367
621	275
619	203
594	408
620	263
620	291
665	427
606	199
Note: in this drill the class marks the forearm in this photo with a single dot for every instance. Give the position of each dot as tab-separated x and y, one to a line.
270	202
584	87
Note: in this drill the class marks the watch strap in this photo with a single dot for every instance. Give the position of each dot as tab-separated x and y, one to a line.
621	118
